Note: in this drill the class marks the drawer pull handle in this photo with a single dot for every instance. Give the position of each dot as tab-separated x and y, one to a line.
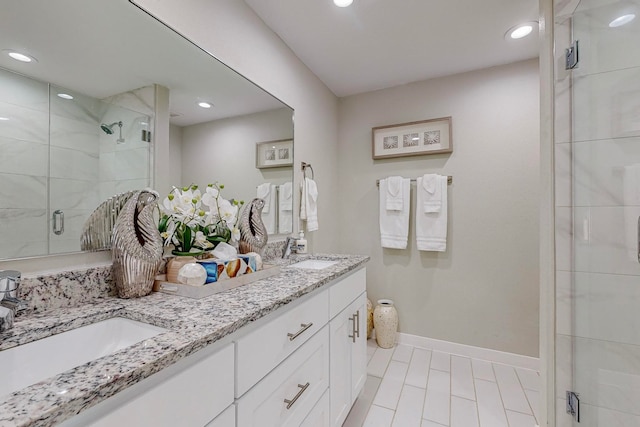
303	328
357	323
292	401
353	328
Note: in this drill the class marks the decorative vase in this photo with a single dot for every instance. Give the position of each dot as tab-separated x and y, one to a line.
175	264
369	318
136	246
253	233
385	320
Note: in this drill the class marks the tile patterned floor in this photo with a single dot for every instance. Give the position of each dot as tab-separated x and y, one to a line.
415	387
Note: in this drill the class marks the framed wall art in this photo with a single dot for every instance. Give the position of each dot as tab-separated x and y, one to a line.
274	154
412	139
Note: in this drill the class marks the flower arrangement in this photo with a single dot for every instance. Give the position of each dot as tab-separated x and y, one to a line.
195	222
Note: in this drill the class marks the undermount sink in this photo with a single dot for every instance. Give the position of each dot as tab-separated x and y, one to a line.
314	264
33	362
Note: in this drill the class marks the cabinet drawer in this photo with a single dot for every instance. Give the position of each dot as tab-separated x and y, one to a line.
346	290
191	392
301	380
264	348
319	415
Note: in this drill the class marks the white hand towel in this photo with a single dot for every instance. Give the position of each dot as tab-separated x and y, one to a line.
431	227
309	204
263	192
394	224
269	216
432	194
395	197
285	208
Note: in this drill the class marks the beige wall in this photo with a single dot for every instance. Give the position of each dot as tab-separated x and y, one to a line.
483	290
232	32
224	151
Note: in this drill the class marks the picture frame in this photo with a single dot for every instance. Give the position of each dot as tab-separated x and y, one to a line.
433	136
274	154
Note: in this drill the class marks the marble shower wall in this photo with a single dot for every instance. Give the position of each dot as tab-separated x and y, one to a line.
24	164
54	156
597	208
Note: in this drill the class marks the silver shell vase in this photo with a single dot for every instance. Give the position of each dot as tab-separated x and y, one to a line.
97	230
136	246
253	233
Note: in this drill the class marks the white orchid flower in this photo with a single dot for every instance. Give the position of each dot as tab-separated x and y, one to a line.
168	235
228	212
201	240
235	234
209	198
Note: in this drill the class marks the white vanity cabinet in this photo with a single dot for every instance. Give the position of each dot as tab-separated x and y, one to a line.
320	378
302	365
348	336
191	392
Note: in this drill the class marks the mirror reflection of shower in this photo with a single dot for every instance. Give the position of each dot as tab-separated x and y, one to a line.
108	129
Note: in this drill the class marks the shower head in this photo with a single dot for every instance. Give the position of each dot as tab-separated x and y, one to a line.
108	129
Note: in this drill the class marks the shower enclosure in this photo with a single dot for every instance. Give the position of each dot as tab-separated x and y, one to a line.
597	213
57	162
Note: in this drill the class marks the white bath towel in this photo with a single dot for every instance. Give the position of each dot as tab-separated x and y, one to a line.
395	198
263	192
431	192
269	215
394	224
309	204
285	208
431	227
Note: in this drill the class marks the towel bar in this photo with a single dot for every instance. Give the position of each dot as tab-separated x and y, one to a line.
449	180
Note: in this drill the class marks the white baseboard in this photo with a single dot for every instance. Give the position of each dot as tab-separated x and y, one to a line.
489	355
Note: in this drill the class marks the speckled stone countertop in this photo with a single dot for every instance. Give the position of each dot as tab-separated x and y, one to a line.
192	323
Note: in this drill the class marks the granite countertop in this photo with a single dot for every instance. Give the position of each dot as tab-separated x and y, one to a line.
192	324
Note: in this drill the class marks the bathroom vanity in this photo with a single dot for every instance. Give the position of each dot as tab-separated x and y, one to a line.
283	351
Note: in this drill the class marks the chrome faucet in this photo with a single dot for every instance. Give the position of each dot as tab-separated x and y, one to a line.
289	247
10	304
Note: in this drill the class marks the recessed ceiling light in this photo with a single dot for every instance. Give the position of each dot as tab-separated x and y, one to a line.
3	119
65	96
621	20
521	30
22	57
342	3
205	104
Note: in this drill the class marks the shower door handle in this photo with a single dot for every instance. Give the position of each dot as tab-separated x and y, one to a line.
638	229
58	222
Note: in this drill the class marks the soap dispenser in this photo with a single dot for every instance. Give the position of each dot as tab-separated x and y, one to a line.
301	244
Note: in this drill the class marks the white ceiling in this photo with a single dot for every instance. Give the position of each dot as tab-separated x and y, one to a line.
101	48
374	44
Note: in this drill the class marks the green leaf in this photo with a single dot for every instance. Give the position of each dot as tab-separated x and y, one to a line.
186	242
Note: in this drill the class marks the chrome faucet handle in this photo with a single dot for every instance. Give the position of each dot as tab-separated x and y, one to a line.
10	291
288	247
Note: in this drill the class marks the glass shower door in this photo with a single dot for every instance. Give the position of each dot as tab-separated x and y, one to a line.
598	212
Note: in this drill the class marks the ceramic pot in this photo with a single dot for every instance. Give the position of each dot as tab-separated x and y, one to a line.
175	264
369	318
385	320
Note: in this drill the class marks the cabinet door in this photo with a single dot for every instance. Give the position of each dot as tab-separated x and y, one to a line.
359	349
340	367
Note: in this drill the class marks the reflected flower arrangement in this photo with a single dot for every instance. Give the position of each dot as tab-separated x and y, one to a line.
194	221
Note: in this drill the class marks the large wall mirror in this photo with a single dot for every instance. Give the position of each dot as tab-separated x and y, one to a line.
77	122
